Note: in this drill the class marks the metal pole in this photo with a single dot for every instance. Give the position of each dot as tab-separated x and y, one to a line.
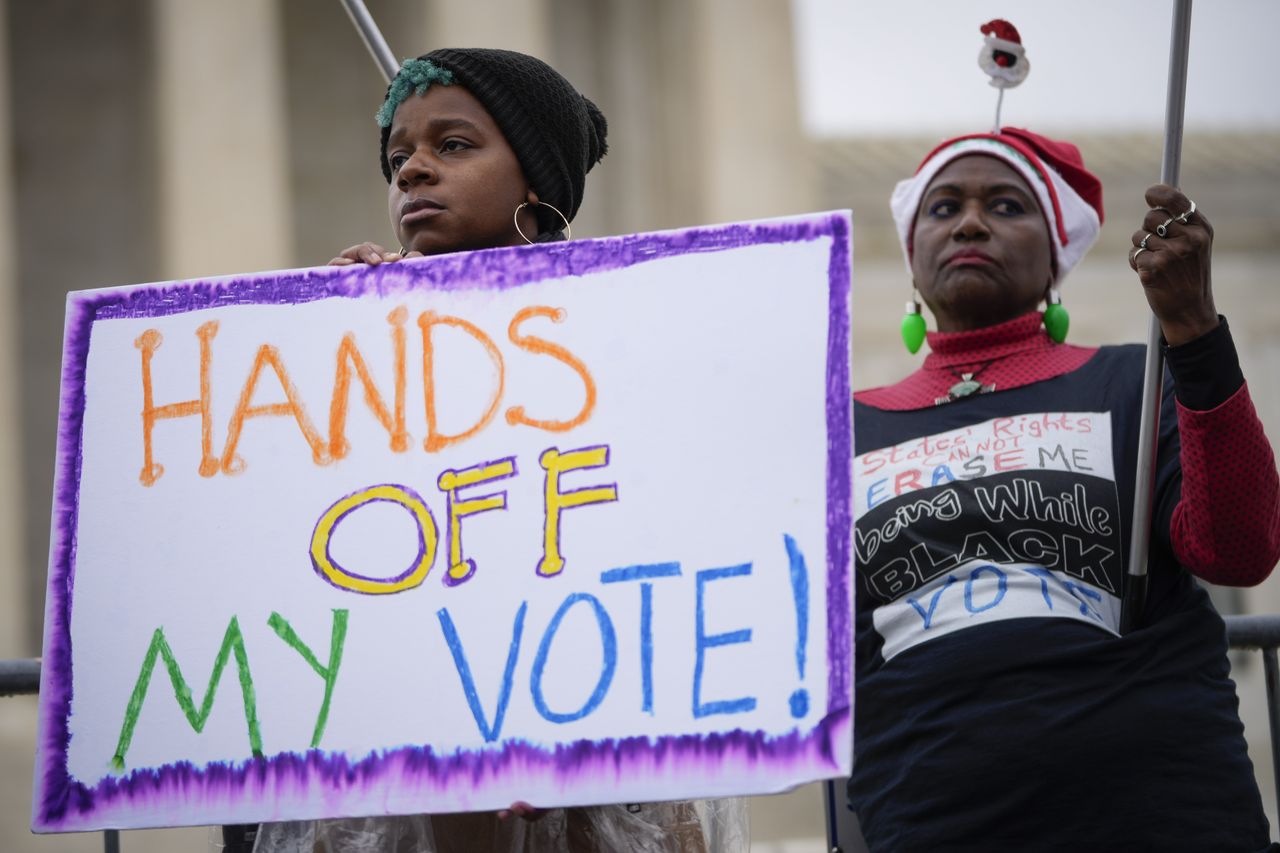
111	841
830	805
1135	588
1272	672
19	677
372	37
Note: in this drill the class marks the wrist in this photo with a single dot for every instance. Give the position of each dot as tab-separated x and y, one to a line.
1184	331
1206	371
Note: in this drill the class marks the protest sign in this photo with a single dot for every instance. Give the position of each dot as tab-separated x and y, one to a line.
565	523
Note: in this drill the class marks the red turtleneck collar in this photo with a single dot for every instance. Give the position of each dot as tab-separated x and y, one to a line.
1009	355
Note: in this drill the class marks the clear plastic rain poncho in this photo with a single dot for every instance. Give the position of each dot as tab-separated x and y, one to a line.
705	826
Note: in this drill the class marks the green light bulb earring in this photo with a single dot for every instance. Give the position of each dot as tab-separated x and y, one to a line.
1056	319
913	326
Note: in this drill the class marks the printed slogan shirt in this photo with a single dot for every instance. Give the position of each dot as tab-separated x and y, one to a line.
997	704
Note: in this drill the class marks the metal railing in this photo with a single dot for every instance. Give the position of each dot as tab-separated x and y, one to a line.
1263	633
19	677
22	677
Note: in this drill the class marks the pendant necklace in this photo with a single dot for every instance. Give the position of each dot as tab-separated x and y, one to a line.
968	386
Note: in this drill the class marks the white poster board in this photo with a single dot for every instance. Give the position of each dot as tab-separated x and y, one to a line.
566	523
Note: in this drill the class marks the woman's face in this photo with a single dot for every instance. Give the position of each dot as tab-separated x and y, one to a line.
455	182
981	253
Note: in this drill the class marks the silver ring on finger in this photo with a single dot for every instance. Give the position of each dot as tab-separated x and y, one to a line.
1162	230
1182	217
1133	258
1143	244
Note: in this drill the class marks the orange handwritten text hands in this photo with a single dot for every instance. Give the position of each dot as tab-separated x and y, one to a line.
351	367
148	342
515	414
349	357
269	356
437	440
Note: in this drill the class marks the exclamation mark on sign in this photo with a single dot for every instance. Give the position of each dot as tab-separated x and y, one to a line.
800	591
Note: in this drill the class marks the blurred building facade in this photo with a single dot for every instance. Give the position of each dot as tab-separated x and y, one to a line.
163	139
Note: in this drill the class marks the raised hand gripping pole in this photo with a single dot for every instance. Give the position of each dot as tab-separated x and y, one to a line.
1135	586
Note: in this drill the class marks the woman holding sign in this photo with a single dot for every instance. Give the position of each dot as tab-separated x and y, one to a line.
998	705
483	149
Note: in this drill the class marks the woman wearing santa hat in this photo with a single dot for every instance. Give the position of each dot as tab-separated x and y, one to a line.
998	704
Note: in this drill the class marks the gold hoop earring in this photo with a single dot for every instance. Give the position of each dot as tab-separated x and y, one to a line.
568	232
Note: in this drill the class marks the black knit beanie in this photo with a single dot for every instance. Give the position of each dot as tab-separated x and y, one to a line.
557	134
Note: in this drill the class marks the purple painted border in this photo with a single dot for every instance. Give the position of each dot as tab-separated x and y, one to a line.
839	471
252	791
62	803
491	269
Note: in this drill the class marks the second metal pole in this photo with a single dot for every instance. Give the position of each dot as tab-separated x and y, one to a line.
1135	587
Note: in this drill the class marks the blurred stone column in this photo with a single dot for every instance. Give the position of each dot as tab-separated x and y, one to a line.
12	559
703	111
332	91
222	131
84	181
523	25
753	154
636	61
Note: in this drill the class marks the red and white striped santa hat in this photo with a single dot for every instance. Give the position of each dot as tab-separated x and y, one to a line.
1069	194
